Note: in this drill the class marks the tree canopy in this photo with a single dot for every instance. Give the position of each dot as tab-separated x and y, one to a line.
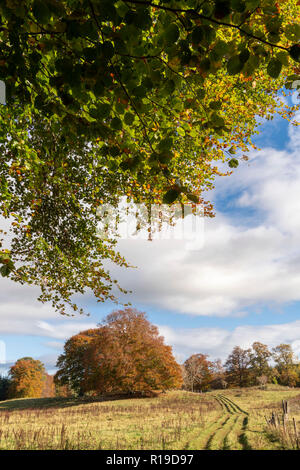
4	388
27	377
198	372
110	98
125	354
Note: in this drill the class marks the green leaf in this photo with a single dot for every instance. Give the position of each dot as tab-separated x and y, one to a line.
129	118
104	110
116	123
215	105
235	65
4	270
164	157
209	33
140	91
197	35
292	32
244	56
295	52
170	196
274	68
165	144
222	9
169	88
192	197
233	163
283	56
238	5
41	12
171	34
216	120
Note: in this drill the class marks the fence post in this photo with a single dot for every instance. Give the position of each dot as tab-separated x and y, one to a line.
296	433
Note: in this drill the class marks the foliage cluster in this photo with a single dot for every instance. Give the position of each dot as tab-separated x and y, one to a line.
111	98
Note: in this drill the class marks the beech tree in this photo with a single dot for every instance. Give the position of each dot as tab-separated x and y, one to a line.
259	359
283	356
110	98
198	372
219	375
286	364
72	364
237	366
124	354
27	377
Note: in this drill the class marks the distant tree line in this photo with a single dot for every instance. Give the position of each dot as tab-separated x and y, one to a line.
126	355
257	365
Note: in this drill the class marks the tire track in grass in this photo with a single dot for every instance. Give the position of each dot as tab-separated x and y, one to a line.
232	433
200	442
227	441
242	437
220	439
228	432
234	404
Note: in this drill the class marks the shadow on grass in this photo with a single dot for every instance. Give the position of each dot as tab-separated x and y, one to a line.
243	439
59	402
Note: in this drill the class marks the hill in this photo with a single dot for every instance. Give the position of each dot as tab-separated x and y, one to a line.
227	419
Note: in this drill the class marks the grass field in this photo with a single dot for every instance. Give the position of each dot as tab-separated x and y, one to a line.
227	419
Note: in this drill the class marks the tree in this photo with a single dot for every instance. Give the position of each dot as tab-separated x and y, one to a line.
198	372
262	380
63	391
27	378
289	377
285	361
4	388
48	386
259	359
283	356
124	354
110	98
219	375
237	366
71	365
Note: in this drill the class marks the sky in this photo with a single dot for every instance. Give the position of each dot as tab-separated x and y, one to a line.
237	283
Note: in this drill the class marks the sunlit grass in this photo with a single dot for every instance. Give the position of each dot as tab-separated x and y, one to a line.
221	419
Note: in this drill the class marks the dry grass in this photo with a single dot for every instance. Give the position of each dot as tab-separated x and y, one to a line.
150	423
231	419
260	404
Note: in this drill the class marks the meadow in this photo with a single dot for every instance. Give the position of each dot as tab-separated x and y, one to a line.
233	419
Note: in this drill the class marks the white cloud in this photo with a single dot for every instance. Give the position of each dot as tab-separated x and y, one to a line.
63	330
219	342
239	265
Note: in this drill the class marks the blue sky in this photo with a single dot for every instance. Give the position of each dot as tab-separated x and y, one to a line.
242	285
